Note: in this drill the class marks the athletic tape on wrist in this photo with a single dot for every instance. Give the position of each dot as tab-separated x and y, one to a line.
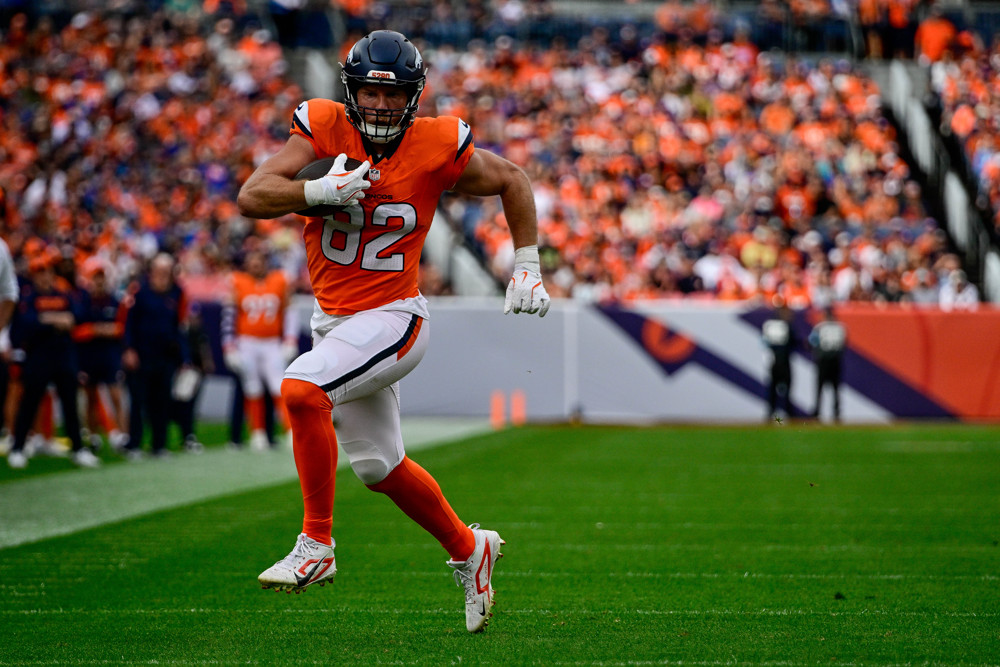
527	257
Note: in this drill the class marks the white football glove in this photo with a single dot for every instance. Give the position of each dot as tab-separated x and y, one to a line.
525	291
339	187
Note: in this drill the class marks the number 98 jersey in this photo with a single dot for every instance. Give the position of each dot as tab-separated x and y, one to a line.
368	257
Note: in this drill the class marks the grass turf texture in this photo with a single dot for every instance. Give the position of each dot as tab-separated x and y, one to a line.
773	545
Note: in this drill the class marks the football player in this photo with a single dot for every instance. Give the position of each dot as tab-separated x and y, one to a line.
260	336
370	321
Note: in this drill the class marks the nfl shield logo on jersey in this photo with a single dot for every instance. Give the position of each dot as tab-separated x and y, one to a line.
373	174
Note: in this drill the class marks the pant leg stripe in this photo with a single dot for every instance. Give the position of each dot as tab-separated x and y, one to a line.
410	333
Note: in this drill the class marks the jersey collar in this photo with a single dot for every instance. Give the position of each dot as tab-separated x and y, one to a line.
372	149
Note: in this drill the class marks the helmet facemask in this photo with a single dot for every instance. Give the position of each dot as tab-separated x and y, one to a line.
380	126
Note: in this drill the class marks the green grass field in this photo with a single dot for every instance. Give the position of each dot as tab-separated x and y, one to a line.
780	545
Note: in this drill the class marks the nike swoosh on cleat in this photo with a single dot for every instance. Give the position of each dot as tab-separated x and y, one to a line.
302	581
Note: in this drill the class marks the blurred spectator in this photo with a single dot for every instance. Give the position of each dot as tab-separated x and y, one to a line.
958	293
99	342
43	328
934	36
872	18
901	27
155	349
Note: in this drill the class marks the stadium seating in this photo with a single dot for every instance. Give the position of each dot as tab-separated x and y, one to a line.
664	162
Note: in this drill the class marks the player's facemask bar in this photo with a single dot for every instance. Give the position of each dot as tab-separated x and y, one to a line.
381	126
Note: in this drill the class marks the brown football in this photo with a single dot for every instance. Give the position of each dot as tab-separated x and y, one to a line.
315	170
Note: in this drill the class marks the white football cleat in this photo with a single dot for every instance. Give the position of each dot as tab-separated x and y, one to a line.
476	574
310	562
17	460
38	444
86	459
259	442
118	440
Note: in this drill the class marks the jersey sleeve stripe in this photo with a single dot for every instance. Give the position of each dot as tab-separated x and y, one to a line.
298	123
300	119
464	138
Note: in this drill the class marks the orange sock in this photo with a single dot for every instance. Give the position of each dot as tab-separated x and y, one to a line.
44	419
417	493
315	447
254	409
103	418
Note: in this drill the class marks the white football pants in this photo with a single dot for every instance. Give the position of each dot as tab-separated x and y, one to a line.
358	361
262	362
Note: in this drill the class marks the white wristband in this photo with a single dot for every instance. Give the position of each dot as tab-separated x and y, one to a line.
314	192
527	256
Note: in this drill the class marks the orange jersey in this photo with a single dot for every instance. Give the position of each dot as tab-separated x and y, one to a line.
364	258
260	304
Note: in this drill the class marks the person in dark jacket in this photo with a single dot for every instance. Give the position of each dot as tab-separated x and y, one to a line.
155	349
779	339
827	341
99	344
42	327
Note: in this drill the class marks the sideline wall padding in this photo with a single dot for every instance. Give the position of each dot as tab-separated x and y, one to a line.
691	361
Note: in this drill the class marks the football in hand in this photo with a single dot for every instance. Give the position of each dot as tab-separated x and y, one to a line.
318	169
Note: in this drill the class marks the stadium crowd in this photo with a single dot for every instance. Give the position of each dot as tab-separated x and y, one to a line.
964	78
712	171
669	162
661	166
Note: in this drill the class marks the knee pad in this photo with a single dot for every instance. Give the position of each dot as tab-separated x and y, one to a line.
370	462
368	432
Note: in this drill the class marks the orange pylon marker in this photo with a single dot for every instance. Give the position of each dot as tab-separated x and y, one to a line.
518	408
498	409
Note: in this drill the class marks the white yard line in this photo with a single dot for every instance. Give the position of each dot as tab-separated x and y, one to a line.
40	507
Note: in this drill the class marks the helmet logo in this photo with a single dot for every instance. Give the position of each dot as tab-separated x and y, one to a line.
381	74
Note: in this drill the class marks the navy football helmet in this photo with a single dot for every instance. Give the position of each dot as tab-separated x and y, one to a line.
388	58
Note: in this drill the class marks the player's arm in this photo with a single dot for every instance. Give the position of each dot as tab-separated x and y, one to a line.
488	174
271	190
